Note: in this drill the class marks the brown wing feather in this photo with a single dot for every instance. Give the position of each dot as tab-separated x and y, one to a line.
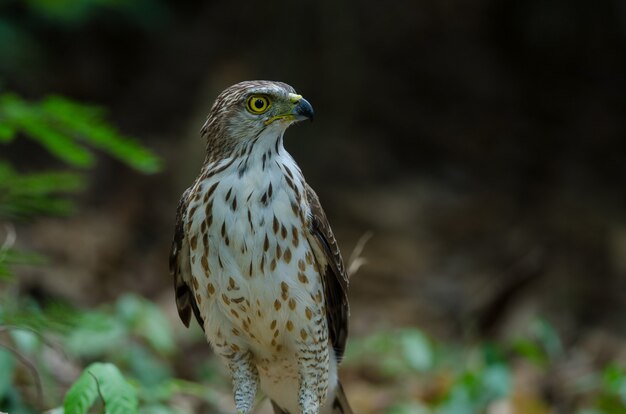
334	275
180	267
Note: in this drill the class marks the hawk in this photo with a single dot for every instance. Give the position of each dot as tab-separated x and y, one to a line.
256	261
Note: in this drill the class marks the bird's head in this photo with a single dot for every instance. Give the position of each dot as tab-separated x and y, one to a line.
251	110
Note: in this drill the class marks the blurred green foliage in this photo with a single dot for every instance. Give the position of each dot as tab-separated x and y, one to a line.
132	335
69	131
29	334
62	126
429	377
25	195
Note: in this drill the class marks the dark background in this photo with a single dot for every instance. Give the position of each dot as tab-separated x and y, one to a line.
482	143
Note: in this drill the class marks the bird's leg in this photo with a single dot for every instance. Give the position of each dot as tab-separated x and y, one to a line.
245	380
313	363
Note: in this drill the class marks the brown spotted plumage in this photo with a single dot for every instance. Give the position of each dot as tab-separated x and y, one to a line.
255	261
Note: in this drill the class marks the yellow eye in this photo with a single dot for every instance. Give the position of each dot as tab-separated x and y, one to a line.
257	104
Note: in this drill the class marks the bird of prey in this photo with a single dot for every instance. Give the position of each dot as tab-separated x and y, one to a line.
255	259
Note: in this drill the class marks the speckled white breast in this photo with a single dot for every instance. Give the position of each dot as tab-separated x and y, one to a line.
251	257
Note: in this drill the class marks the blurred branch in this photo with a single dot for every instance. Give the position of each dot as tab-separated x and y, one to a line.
356	260
31	367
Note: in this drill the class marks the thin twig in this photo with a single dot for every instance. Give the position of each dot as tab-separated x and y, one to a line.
356	260
29	365
42	338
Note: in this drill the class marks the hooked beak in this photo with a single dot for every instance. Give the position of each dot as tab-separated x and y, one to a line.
300	110
303	110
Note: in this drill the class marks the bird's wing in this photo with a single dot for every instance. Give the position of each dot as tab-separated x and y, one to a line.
333	273
180	266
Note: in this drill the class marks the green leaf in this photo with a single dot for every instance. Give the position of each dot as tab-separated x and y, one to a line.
81	396
59	124
57	143
87	123
103	379
34	122
118	395
416	350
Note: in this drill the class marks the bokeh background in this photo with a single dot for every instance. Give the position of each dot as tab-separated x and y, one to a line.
476	146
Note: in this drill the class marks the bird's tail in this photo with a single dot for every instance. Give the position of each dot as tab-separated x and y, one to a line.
339	404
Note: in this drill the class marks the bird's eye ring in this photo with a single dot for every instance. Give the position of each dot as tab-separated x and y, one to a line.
258	104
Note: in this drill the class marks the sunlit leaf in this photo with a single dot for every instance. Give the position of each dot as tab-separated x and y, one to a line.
104	380
83	393
416	350
118	395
